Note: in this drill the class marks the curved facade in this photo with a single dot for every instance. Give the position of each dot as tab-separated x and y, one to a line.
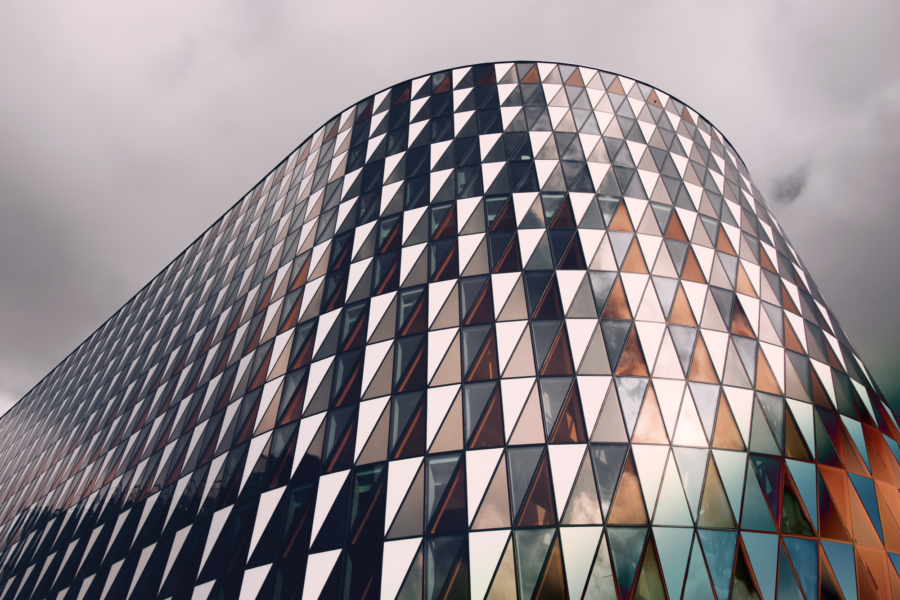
507	331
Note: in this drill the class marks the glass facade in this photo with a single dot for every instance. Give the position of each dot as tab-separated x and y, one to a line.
507	331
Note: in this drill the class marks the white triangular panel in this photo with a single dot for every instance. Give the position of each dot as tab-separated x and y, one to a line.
329	487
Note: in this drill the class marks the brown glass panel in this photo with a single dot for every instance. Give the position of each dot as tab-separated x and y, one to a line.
884	466
412	441
404	97
482	310
246	430
532	76
628	506
552	583
559	358
692	270
417	322
332	133
350	392
831	524
224	398
357	337
549	306
509	261
506	218
342	456
820	399
265	298
448	227
392	241
342	259
724	244
207	342
870	577
634	260
485	366
714	508
788	302
445	86
621	221
252	343
290	320
570	425
765	378
833	361
537	509
450	514
743	283
449	268
740	325
457	584
281	473
617	304
766	263
175	471
489	432
681	310
888	523
416	373
632	360
884	470
863	530
726	435
701	367
564	217
302	274
616	87
573	259
852	460
391	279
675	230
304	354
575	79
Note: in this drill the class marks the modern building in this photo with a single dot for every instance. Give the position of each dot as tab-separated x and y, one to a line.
507	331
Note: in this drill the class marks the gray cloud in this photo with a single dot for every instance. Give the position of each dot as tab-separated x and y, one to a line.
787	188
126	129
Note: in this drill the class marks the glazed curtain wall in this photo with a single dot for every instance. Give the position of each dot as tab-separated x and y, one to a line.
507	331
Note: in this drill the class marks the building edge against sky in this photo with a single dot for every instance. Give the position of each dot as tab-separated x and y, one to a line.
510	330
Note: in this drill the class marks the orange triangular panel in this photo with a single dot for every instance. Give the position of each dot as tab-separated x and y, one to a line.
765	378
632	360
702	367
617	304
634	260
628	506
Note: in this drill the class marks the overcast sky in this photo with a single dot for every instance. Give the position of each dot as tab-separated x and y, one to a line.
127	128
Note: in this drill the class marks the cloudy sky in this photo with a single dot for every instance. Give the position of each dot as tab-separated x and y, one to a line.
128	128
